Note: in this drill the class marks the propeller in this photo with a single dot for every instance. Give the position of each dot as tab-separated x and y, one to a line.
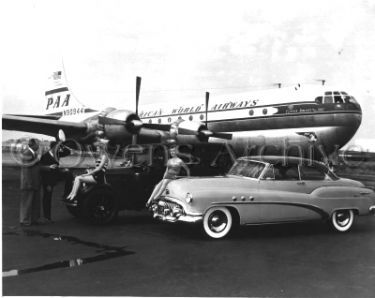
132	123
137	91
138	82
209	133
219	135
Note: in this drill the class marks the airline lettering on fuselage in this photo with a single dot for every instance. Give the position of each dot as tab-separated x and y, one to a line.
55	102
200	108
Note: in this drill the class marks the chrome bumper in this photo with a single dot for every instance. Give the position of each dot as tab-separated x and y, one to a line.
170	211
183	218
372	209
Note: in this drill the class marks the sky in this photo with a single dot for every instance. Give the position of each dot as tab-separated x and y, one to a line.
183	48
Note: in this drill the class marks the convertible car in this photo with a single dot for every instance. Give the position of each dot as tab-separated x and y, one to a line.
265	190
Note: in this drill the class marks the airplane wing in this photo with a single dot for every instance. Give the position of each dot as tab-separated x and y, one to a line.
42	126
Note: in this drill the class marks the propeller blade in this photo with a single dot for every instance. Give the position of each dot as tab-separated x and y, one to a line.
222	135
207	100
137	91
219	135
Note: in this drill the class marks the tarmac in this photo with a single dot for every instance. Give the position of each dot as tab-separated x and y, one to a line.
139	256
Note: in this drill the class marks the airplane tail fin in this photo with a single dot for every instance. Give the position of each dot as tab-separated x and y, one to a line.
59	99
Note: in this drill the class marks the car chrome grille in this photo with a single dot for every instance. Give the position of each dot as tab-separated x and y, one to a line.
169	208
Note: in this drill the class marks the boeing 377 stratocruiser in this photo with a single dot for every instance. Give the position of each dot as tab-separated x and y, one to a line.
262	122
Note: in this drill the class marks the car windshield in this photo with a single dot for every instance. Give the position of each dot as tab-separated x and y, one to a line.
247	168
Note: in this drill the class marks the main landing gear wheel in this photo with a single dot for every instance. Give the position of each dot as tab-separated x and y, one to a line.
342	220
217	222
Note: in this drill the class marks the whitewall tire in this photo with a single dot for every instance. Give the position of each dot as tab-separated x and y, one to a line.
217	222
342	220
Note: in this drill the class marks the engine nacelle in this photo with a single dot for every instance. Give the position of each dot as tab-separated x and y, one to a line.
128	124
189	128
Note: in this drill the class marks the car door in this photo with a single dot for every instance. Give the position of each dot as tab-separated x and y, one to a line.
283	196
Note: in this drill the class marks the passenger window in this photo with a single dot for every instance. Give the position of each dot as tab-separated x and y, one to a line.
312	173
286	172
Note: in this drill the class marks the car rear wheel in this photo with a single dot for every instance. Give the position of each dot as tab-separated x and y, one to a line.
342	220
100	206
217	222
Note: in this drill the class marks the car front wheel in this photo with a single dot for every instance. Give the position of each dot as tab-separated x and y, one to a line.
217	222
342	220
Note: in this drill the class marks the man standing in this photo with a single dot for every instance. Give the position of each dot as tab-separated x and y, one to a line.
51	174
30	185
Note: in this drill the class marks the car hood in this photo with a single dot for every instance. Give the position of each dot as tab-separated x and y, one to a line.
210	185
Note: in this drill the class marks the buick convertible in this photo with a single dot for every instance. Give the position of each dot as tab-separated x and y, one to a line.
265	190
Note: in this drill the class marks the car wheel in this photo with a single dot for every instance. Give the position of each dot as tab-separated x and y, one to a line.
75	211
217	222
100	206
342	220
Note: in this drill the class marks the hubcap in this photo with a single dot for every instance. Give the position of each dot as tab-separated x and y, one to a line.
343	218
217	221
102	208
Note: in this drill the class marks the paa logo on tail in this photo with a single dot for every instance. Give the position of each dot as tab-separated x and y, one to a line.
59	98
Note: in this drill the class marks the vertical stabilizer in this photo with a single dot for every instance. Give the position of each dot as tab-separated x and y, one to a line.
59	99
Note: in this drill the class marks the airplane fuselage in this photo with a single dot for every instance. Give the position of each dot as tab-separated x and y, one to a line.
328	119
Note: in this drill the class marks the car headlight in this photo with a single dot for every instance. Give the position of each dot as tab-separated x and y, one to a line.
189	198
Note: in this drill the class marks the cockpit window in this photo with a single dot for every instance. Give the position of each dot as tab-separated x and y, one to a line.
319	99
350	99
338	99
328	98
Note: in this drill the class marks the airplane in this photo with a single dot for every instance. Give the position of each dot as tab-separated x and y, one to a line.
274	121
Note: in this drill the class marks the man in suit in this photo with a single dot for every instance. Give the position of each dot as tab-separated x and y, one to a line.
52	173
30	185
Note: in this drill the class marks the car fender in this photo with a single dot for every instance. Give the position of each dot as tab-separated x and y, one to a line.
93	187
341	192
343	198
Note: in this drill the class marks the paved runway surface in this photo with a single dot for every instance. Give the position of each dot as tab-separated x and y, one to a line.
137	256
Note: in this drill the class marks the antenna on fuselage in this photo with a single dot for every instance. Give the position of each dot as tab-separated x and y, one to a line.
322	81
278	85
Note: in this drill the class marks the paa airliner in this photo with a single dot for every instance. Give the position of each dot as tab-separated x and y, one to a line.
260	122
